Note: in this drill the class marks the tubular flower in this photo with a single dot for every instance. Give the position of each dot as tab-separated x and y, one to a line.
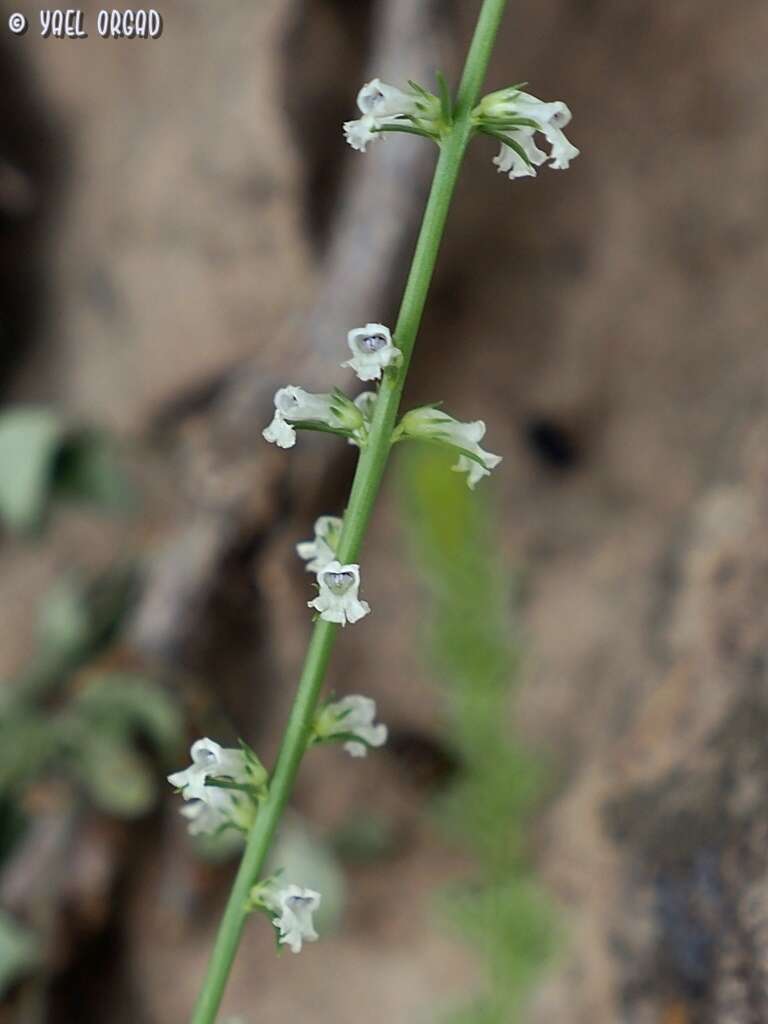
383	105
319	552
293	908
294	405
337	600
432	424
351	719
209	761
518	116
209	808
372	351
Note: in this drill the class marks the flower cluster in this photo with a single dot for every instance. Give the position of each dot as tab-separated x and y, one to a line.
385	108
221	788
514	117
350	721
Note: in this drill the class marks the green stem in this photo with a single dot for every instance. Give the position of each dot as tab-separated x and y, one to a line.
365	488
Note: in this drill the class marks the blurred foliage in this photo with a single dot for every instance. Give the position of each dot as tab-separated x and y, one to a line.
19	951
65	720
84	728
475	648
44	458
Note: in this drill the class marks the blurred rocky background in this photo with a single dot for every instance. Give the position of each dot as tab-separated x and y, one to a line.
182	230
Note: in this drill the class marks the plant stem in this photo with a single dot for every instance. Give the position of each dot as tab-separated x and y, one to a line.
365	488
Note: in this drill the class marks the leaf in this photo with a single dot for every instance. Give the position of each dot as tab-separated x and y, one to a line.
116	778
27	741
87	468
126	703
408	129
446	103
29	441
19	952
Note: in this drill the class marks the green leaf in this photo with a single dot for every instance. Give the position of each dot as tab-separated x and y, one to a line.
407	129
115	777
446	103
19	952
29	442
88	469
126	703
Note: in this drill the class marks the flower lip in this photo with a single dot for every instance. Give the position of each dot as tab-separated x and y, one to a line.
371	342
339	582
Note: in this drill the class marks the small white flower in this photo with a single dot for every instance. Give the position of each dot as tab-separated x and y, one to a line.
209	761
294	907
381	105
372	351
377	99
338	600
433	424
352	716
295	405
512	163
319	552
220	807
551	118
362	131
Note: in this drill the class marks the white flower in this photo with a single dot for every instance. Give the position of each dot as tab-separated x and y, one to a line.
382	105
337	600
219	808
362	131
319	552
377	99
352	716
295	405
512	163
372	351
550	118
294	908
209	761
433	424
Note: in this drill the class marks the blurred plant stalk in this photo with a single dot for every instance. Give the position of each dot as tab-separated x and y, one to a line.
365	488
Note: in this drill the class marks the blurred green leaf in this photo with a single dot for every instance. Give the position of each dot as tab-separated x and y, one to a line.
475	648
29	441
115	777
64	623
43	457
88	469
27	741
19	952
126	703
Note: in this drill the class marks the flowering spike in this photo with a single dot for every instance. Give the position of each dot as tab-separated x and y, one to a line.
337	600
372	351
350	721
